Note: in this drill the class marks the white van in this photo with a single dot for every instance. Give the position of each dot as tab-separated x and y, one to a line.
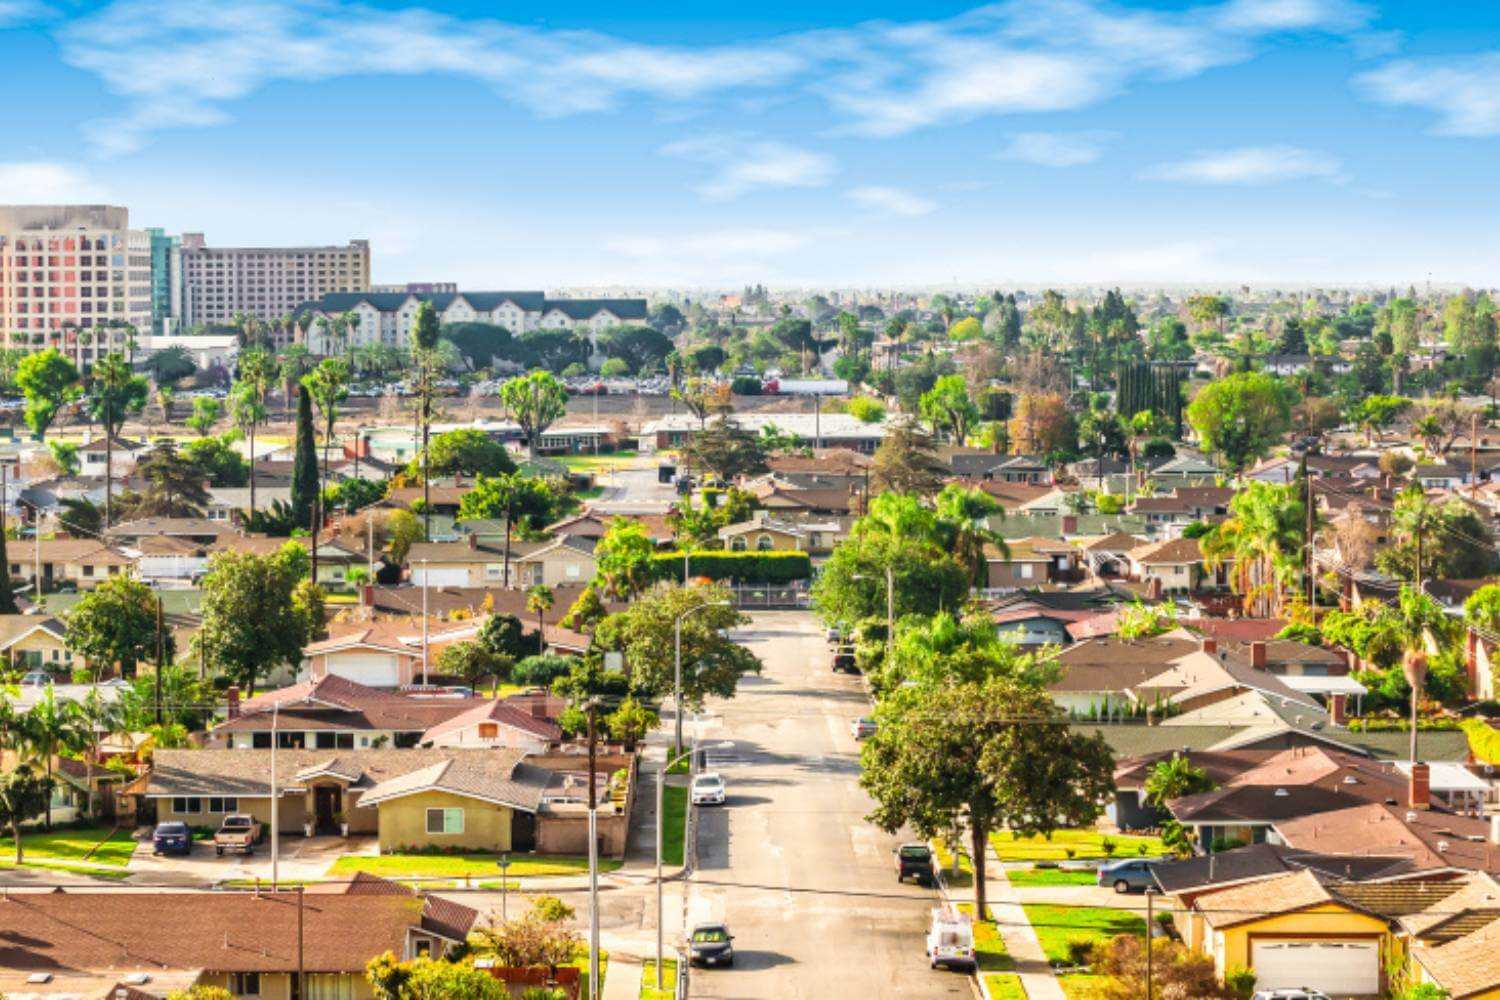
950	939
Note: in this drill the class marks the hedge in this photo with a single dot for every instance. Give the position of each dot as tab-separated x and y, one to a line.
745	567
1484	740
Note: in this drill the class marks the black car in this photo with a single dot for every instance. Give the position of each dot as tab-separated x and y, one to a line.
914	861
711	944
172	838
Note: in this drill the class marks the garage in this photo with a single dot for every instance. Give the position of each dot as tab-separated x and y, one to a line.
440	576
369	669
1349	967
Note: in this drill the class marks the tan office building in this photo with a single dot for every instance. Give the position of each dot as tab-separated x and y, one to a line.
265	282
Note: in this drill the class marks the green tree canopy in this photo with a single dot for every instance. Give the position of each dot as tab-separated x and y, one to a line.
115	625
535	402
49	382
252	622
1241	416
712	663
464	452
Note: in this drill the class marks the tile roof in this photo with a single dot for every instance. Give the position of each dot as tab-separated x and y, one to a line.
218	931
1465	967
483	774
1172	552
1240	904
1399	897
1477	893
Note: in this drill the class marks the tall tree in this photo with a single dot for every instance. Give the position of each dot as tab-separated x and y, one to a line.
23	796
256	370
254	619
114	392
725	449
1262	538
535	402
114	625
963	517
982	756
1240	417
947	407
50	728
304	464
623	559
49	382
906	462
328	385
538	600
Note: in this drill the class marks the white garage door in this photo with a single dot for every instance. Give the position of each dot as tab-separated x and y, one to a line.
370	669
1335	967
444	577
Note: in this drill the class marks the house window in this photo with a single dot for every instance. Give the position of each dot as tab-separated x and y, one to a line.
181	805
445	821
1026	571
224	805
764	543
573	572
424	948
244	984
260	741
324	741
738	545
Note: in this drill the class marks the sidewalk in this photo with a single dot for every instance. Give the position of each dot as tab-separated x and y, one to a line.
1036	974
622	980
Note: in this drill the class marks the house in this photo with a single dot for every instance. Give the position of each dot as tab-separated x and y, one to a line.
1185	469
1029	562
827	430
1021	469
590	524
229	504
1175	565
91	943
468	563
94	456
81	562
332	713
36	642
765	532
1293	931
1452	943
198	530
496	724
826	500
1108	555
566	560
1031	624
382	654
1438	476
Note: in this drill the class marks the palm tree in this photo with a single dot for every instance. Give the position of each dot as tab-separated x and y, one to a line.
1414	666
328	384
111	377
50	728
538	600
257	369
1262	537
165	397
963	515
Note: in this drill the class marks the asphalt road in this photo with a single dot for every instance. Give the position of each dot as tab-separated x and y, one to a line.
806	884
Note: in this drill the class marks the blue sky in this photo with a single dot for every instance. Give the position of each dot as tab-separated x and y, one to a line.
878	144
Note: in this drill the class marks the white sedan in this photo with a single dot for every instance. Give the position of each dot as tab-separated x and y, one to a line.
708	790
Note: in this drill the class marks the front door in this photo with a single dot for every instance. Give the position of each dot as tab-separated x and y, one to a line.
327	803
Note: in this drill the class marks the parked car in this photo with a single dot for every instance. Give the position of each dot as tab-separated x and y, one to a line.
950	939
1133	875
862	728
711	944
844	660
834	636
914	861
172	838
239	832
708	790
1294	993
36	678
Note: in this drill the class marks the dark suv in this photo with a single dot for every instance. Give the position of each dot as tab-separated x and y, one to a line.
914	861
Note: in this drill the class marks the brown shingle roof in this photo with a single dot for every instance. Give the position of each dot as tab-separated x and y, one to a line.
1467	966
500	713
1255	900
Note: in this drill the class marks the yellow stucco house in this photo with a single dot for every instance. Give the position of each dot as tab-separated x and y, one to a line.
36	642
1292	931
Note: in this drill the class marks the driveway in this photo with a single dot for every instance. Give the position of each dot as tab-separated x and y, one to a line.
804	881
300	859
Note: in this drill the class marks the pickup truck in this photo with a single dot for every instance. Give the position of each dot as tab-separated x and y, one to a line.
914	861
239	832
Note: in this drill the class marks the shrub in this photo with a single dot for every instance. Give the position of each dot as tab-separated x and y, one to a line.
745	385
1108	846
1071	852
1239	981
744	567
1080	950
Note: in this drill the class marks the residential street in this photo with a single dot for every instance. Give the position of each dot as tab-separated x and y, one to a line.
805	883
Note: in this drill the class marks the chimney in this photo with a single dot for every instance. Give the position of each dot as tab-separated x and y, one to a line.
1209	645
539	707
1258	655
1338	708
232	702
367	596
1153	588
473	541
1070	524
1420	786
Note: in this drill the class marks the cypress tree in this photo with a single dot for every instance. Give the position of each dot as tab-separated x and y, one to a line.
7	595
305	464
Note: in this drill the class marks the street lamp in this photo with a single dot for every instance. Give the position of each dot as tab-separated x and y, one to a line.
677	668
661	784
504	864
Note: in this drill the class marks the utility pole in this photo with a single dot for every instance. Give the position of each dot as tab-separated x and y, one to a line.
1150	921
424	622
275	802
301	993
1474	454
36	538
160	656
1307	535
594	863
370	542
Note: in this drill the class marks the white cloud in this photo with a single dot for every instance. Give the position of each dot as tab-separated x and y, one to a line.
183	63
893	200
40	182
13	12
1251	165
747	165
1056	149
1463	93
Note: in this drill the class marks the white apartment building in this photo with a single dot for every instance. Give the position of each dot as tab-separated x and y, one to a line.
268	283
386	318
74	277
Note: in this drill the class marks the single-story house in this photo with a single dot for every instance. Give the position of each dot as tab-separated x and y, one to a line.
497	724
36	642
333	713
79	561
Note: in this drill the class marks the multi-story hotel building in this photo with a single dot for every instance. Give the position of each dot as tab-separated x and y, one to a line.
74	277
268	283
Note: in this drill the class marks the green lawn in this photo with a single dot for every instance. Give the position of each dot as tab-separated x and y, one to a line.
1004	986
964	877
74	845
500	691
674	804
602	462
582	961
113	874
1082	985
668	980
1055	926
1049	876
1083	844
464	865
989	947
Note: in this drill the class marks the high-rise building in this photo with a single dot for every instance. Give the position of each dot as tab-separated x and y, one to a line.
166	290
268	283
74	277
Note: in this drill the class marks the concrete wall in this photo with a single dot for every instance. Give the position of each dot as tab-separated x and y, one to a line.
403	824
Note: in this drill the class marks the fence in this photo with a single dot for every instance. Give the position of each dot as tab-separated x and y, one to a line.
750	596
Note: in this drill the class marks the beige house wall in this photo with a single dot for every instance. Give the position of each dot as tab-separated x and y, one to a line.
403	824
